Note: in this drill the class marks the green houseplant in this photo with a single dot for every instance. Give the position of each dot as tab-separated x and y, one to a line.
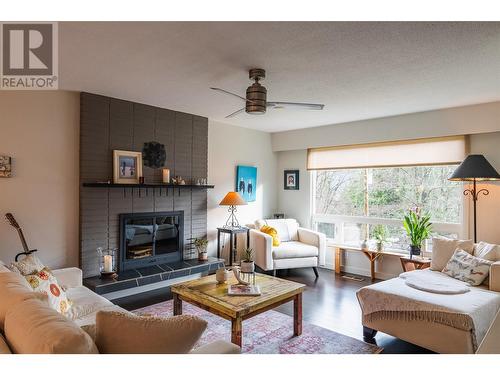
418	228
380	235
246	263
201	247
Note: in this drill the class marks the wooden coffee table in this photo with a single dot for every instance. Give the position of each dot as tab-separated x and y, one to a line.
210	296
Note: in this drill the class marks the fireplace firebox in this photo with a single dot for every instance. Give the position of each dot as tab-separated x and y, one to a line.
151	238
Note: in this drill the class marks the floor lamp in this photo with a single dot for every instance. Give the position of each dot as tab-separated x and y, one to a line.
475	168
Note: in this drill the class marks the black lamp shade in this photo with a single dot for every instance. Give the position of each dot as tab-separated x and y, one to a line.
475	167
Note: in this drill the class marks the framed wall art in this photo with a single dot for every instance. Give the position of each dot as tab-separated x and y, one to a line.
127	167
291	179
246	182
5	166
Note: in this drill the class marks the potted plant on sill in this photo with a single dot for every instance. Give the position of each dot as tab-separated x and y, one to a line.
201	247
380	235
418	227
247	265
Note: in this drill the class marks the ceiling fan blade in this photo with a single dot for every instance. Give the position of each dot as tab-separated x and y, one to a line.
313	106
230	93
235	113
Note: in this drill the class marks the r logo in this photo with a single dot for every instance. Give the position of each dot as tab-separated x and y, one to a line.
27	49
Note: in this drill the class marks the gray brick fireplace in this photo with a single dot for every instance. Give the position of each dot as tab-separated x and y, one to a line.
107	124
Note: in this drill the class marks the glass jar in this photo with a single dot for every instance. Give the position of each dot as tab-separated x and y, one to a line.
107	262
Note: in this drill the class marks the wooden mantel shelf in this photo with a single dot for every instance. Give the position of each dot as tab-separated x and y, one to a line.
149	186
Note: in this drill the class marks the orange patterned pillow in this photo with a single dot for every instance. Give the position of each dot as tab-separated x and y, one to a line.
46	283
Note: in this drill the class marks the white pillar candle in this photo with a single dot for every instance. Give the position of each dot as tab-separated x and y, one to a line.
108	263
166	175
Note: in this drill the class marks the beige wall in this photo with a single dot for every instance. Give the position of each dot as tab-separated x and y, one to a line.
40	131
229	146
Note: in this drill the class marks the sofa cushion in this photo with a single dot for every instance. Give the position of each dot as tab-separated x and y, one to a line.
287	228
465	267
119	333
32	327
443	249
4	348
294	249
45	282
13	289
86	304
27	265
487	251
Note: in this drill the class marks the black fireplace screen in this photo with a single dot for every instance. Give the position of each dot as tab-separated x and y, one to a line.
150	238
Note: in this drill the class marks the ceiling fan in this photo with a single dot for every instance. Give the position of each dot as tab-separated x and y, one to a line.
256	97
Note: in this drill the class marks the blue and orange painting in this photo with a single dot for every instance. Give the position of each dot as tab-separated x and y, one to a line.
246	182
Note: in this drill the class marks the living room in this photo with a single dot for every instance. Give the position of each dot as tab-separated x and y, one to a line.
250	188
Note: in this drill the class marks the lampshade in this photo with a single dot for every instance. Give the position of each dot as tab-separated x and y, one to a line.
475	167
232	199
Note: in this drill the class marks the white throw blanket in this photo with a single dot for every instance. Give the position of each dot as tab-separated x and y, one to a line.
393	299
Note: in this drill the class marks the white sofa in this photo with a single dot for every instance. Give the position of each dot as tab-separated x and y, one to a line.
87	304
299	247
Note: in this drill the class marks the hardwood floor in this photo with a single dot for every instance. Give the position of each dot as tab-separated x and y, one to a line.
328	301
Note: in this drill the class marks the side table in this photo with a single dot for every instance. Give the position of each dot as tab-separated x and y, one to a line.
233	240
414	263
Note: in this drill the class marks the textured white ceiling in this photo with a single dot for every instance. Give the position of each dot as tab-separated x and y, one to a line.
359	70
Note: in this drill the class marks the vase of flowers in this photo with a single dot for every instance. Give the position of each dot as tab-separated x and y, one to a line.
247	265
418	228
201	247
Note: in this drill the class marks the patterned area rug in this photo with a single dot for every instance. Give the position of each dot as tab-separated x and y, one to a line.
269	333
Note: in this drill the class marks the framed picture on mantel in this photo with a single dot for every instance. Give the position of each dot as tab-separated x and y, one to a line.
291	179
127	167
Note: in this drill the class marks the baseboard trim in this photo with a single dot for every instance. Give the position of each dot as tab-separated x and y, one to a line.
361	271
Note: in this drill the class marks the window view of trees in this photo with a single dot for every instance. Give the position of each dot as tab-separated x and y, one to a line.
368	195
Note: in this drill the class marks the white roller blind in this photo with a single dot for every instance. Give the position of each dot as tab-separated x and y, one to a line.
429	151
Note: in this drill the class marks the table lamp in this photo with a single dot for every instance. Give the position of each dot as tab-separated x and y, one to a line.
475	168
232	199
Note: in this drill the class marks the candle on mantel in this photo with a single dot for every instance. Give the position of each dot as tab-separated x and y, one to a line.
108	263
166	175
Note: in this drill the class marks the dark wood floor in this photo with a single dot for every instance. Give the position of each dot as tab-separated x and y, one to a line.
329	301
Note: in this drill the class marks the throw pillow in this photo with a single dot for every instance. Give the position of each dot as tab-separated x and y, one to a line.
32	327
465	267
13	289
443	249
125	333
28	265
272	232
487	251
46	283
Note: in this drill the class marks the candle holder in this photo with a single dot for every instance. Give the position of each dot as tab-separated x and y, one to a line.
107	262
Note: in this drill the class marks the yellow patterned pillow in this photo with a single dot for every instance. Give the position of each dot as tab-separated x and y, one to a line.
46	283
272	232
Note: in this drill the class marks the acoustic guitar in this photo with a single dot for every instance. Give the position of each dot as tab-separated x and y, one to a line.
13	222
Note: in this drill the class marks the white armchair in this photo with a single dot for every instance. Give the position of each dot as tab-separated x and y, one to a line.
299	247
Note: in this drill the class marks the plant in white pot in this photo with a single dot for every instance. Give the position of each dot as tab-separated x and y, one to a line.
201	247
247	265
380	235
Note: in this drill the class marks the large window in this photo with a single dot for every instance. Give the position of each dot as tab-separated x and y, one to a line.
349	203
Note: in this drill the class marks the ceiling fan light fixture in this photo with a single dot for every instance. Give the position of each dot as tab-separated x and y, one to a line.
256	99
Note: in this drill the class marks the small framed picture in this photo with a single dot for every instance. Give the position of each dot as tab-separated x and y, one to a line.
5	166
291	180
127	167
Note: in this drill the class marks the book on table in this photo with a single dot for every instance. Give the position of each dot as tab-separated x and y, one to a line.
243	290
